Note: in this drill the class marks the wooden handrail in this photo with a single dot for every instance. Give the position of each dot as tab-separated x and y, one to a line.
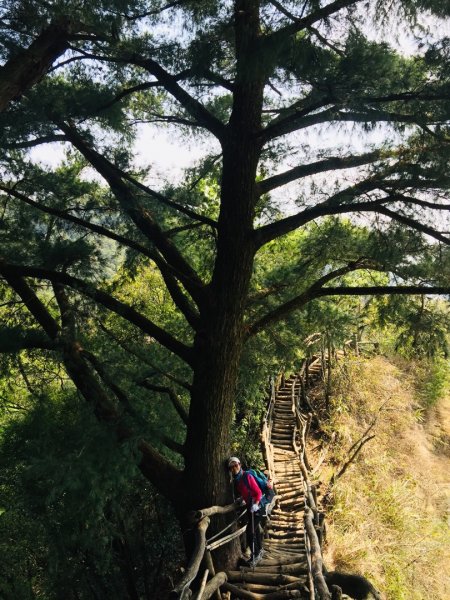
316	557
181	590
213	510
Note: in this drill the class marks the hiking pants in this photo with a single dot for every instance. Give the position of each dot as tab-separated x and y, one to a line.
256	535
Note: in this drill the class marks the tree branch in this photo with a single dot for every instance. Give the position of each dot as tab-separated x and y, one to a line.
309	294
335	205
295	122
182	209
13	271
327	164
172	395
380	290
154	466
14	339
176	294
413	224
27	67
190	104
302	23
139	215
316	291
46	139
30	299
411	200
143	358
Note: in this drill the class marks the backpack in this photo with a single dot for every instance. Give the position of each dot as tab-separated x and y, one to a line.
264	486
260	479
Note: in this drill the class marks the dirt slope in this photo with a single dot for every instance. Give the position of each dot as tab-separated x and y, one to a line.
390	518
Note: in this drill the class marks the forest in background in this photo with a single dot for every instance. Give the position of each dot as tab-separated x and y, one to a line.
140	319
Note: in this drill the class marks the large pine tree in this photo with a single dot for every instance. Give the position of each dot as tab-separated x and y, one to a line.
315	112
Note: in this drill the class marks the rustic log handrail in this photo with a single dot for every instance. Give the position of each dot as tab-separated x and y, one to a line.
213	585
181	590
203	549
316	557
213	510
275	383
312	516
226	539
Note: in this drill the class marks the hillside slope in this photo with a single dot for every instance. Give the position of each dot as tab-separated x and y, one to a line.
389	517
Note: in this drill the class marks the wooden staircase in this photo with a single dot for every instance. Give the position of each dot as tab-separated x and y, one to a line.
283	570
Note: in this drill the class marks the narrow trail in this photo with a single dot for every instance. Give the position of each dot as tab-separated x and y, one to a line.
283	571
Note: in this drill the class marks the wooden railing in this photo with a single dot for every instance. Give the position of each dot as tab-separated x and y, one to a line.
313	518
266	433
202	550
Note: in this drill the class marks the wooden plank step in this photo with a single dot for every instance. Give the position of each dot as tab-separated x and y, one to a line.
267	578
299	568
280	560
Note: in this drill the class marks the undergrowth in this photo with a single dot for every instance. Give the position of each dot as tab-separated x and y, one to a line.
389	516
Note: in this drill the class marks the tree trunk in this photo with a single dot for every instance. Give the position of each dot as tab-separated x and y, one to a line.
26	68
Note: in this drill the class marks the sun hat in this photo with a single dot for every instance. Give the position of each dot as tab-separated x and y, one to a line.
233	459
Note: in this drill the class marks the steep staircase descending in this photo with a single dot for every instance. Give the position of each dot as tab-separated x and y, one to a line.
283	571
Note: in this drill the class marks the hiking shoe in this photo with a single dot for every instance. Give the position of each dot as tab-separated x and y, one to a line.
256	559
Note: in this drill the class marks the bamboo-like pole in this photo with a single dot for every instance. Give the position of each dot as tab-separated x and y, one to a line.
210	565
226	539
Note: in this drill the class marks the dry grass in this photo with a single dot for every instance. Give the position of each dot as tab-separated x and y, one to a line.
390	519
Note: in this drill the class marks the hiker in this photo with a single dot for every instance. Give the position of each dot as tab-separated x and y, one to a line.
246	488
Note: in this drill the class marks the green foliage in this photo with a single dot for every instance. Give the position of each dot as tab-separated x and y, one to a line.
331	169
73	504
432	381
420	326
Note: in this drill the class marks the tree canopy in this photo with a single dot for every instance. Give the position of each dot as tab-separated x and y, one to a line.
324	174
